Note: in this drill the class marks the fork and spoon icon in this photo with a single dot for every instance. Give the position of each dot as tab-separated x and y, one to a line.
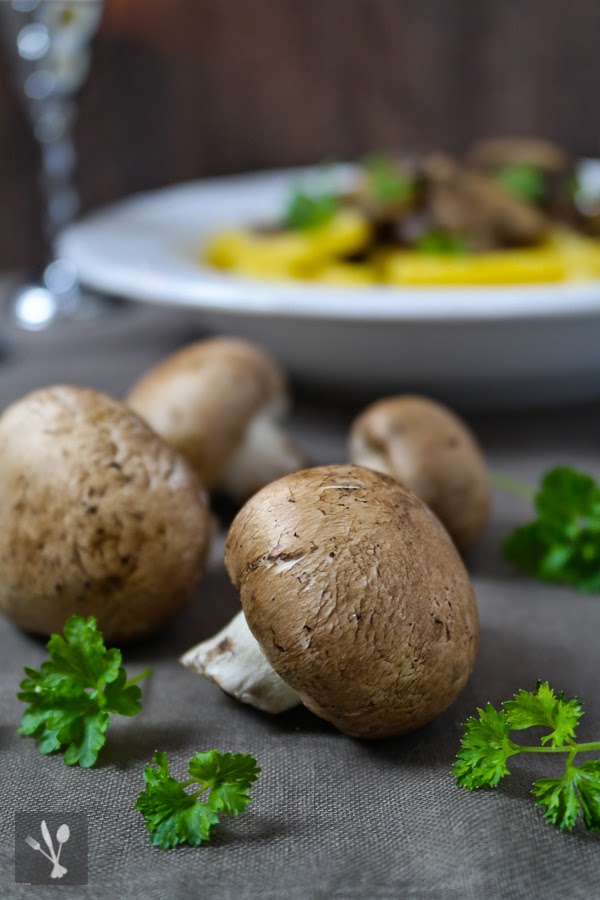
62	836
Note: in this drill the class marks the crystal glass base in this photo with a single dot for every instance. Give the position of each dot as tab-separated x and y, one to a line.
57	296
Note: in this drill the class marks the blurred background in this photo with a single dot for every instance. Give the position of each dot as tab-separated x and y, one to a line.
181	89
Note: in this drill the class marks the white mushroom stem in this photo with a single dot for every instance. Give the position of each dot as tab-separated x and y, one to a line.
264	455
233	660
393	458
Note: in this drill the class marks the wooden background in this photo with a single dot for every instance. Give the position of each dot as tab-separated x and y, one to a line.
185	88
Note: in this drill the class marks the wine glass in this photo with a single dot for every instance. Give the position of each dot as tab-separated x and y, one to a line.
48	46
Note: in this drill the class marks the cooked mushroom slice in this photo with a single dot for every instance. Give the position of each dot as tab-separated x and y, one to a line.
429	449
221	402
98	516
475	207
496	153
357	599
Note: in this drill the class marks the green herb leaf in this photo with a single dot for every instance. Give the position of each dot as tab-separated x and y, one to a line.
306	211
544	707
563	544
385	182
176	817
524	181
577	791
71	695
227	776
558	797
587	779
485	748
442	243
487	745
573	186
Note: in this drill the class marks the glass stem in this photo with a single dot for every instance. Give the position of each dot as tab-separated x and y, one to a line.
57	182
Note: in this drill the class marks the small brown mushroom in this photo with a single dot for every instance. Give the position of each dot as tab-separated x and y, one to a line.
98	516
428	448
356	601
220	403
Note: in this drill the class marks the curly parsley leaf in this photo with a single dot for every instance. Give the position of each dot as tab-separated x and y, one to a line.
563	544
228	778
176	817
544	707
442	243
70	697
577	791
385	182
587	780
486	746
306	211
524	181
558	798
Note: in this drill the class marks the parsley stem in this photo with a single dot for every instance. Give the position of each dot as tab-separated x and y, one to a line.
572	748
139	677
512	485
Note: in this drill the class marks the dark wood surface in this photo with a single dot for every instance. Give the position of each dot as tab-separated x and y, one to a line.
185	88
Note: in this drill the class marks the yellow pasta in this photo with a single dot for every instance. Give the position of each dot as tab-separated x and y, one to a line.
499	267
319	255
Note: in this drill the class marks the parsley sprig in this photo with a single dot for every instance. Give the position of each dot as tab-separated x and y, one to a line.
307	210
386	182
562	545
487	746
524	181
72	694
442	243
176	817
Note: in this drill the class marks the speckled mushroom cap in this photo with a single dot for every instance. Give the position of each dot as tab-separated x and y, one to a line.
202	398
357	597
432	451
98	516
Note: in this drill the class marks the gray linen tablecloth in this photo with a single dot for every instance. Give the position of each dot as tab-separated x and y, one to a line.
332	817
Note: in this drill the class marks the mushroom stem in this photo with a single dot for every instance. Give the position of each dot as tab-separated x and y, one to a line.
234	661
264	455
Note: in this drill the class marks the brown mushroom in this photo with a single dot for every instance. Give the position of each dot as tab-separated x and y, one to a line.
220	403
98	516
431	450
355	595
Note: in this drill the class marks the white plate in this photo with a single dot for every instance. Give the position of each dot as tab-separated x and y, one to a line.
474	346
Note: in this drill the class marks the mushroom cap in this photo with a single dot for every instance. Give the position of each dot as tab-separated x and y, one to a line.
98	516
202	398
432	451
357	597
496	152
